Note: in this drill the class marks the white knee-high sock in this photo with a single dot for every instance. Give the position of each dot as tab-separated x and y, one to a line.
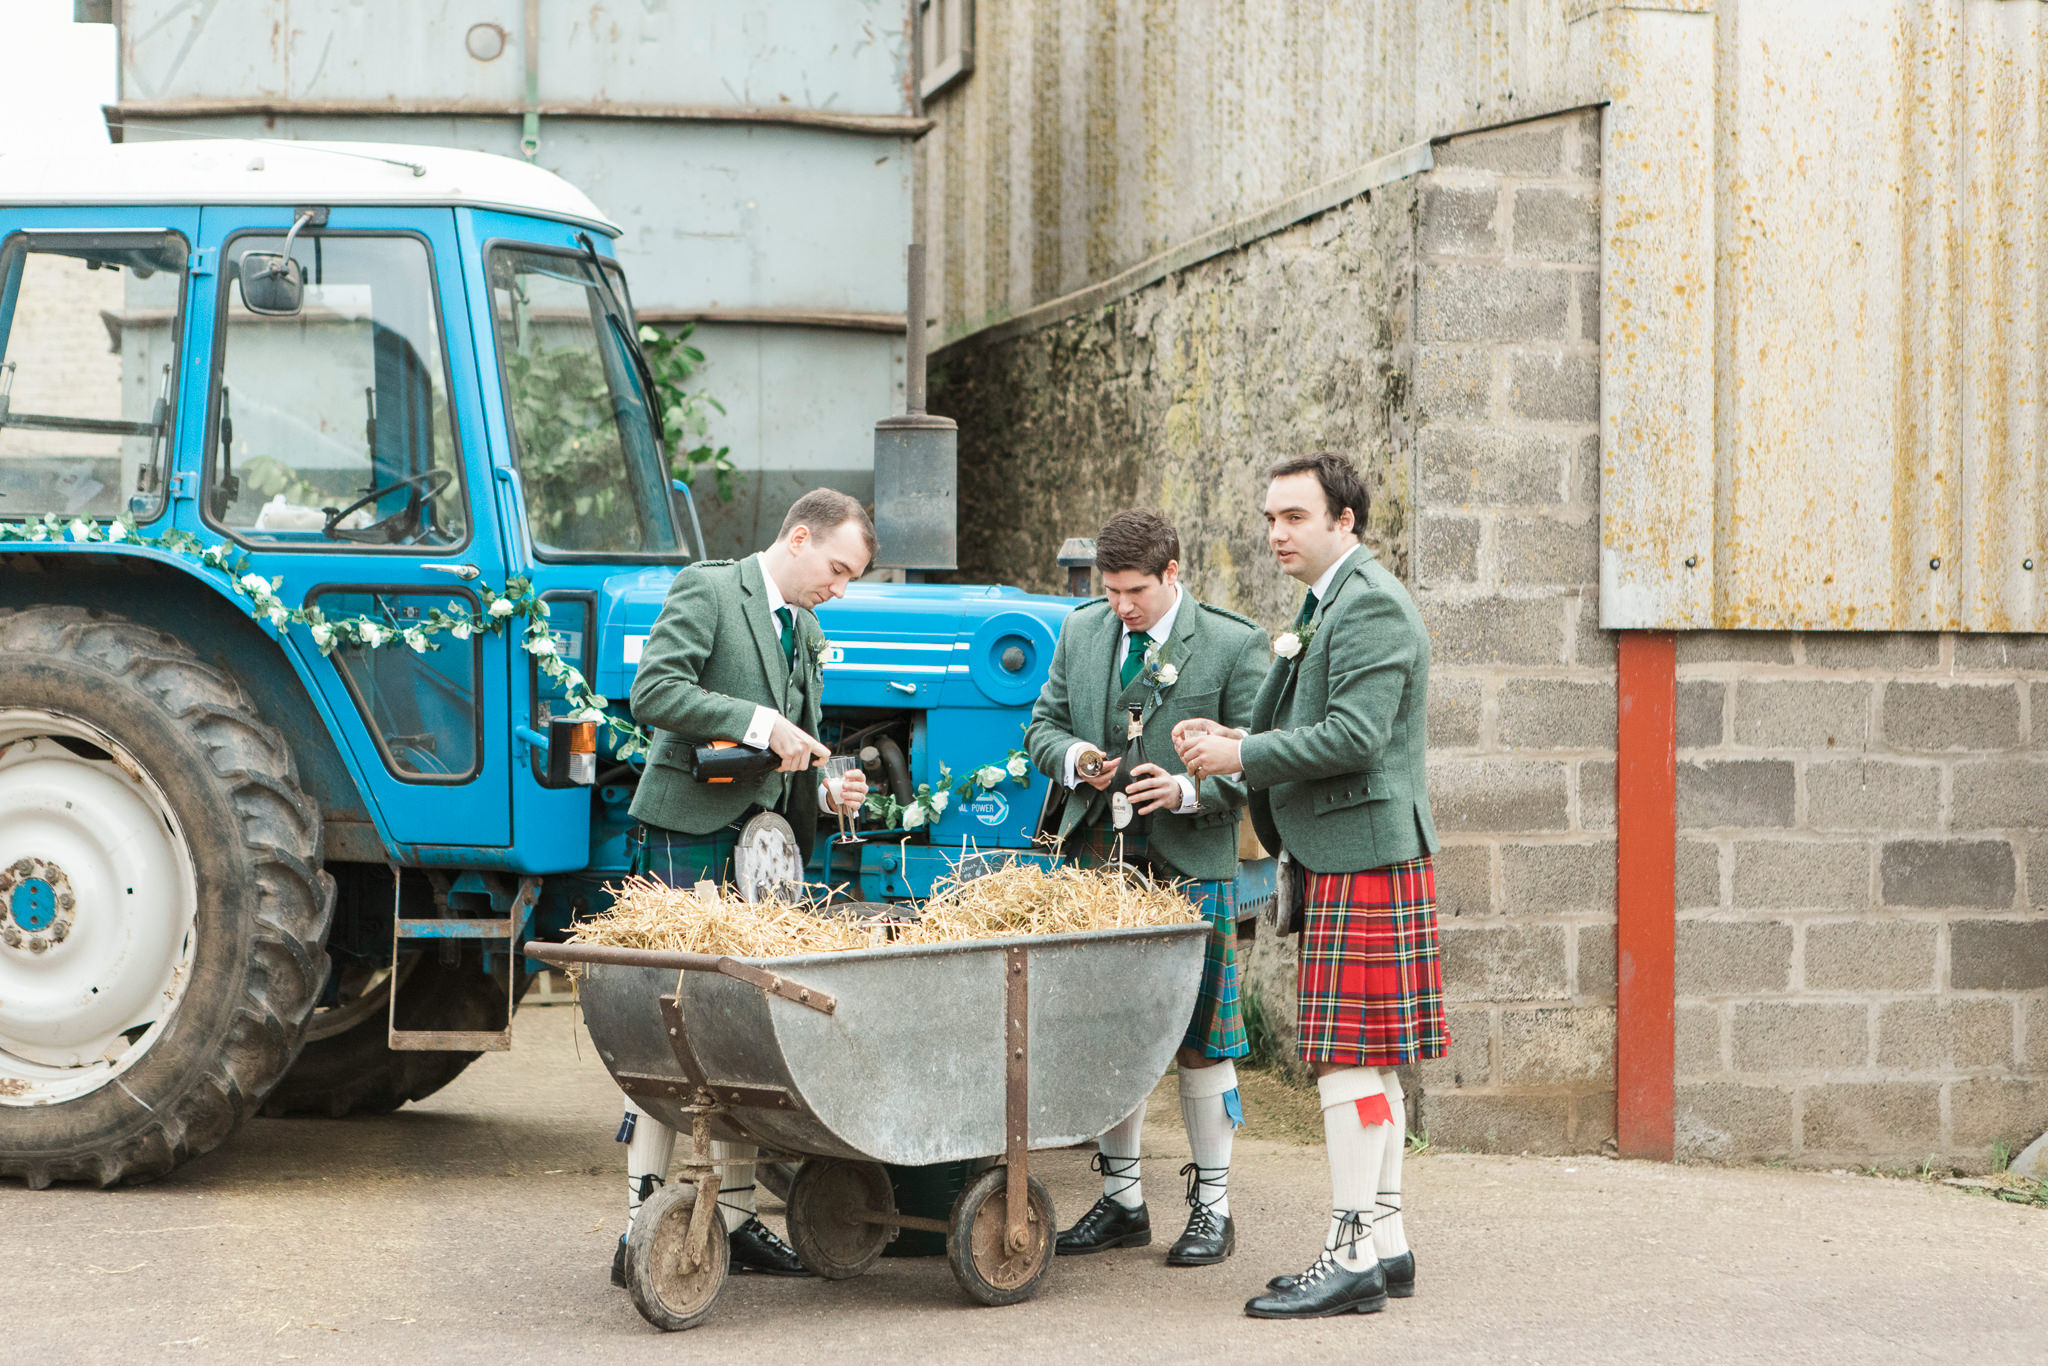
649	1145
1118	1159
1389	1239
735	1181
1355	1125
1206	1095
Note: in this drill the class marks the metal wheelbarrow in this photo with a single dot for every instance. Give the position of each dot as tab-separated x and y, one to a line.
910	1056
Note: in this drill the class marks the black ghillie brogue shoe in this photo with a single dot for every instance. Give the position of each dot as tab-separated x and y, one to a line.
1327	1288
1324	1290
1400	1274
619	1265
1399	1271
756	1249
1210	1236
1106	1225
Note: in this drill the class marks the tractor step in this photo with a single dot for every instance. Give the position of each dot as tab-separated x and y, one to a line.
506	931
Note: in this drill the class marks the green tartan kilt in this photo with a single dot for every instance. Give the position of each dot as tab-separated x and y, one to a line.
1217	1028
680	860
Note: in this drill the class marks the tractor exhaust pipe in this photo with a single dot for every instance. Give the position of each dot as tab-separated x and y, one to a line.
917	462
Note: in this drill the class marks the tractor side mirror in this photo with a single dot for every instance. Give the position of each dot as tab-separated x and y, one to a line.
272	284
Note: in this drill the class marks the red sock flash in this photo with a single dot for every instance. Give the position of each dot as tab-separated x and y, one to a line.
1373	1110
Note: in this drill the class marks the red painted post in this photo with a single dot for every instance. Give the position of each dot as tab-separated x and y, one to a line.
1646	827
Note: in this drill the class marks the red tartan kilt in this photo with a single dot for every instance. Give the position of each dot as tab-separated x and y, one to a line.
1371	978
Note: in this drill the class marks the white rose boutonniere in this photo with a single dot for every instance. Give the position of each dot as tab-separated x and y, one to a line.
1168	675
1287	645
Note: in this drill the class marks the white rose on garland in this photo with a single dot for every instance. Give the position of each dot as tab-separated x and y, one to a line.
501	607
988	776
913	816
1020	766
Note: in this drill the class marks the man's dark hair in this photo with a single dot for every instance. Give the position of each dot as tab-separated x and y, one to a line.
826	510
1343	486
1136	539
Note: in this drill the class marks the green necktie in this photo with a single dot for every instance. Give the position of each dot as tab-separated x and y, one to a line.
782	615
1308	609
1135	659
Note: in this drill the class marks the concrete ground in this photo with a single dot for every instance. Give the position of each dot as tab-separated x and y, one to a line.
479	1226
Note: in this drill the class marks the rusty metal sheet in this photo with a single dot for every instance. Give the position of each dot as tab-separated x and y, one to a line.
1877	360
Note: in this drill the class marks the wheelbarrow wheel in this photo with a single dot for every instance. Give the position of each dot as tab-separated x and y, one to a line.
977	1249
673	1289
823	1201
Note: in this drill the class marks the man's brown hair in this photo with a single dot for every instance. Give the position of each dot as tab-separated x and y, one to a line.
1136	539
826	510
1343	486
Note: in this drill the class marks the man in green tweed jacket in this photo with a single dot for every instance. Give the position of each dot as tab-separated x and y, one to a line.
1334	760
1150	645
736	655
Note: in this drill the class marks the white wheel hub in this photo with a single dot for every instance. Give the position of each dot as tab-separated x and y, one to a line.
765	860
98	908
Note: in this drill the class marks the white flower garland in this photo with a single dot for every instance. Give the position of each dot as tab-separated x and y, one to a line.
364	632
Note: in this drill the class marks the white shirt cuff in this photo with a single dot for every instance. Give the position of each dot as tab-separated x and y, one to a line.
1187	795
824	796
761	727
1072	777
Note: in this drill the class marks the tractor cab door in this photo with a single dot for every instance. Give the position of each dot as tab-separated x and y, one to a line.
345	453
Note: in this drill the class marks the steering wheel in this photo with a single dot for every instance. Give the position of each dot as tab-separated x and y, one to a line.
399	525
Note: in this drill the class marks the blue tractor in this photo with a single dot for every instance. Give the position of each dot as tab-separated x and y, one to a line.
333	514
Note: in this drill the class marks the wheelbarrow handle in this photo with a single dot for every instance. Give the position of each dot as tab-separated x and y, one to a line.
772	982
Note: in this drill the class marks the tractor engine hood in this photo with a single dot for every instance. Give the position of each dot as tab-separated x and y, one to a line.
887	645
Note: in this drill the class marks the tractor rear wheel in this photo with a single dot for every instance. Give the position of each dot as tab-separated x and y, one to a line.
162	905
347	1066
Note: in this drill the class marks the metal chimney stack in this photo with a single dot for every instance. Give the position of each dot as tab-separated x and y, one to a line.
917	463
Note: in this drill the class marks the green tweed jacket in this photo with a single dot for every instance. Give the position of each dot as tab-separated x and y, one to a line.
1336	761
1221	659
714	655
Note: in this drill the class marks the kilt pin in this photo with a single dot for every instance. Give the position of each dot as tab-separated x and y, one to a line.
1217	1025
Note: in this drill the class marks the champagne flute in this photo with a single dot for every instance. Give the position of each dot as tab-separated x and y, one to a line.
836	769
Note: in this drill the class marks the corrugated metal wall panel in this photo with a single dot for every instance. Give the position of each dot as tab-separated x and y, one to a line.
1878	359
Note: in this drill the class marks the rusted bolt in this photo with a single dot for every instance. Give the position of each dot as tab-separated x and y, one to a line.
1934	563
1692	562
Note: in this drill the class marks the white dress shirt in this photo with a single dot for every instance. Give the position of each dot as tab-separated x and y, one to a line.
1158	633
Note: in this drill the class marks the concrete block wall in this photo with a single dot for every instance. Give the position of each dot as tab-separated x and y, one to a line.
1862	954
1522	704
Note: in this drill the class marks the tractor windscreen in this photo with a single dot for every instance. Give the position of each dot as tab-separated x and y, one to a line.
583	431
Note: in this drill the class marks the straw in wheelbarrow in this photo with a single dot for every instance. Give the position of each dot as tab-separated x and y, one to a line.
1021	899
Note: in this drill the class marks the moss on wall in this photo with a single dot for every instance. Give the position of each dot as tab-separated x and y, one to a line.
1180	395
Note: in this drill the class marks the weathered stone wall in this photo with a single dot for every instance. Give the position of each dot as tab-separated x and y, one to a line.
1862	946
1180	395
1522	692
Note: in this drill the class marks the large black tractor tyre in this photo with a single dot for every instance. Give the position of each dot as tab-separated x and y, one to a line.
100	705
352	1070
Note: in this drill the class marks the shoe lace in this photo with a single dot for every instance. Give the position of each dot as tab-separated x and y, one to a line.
1204	1210
1352	1228
1124	1169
